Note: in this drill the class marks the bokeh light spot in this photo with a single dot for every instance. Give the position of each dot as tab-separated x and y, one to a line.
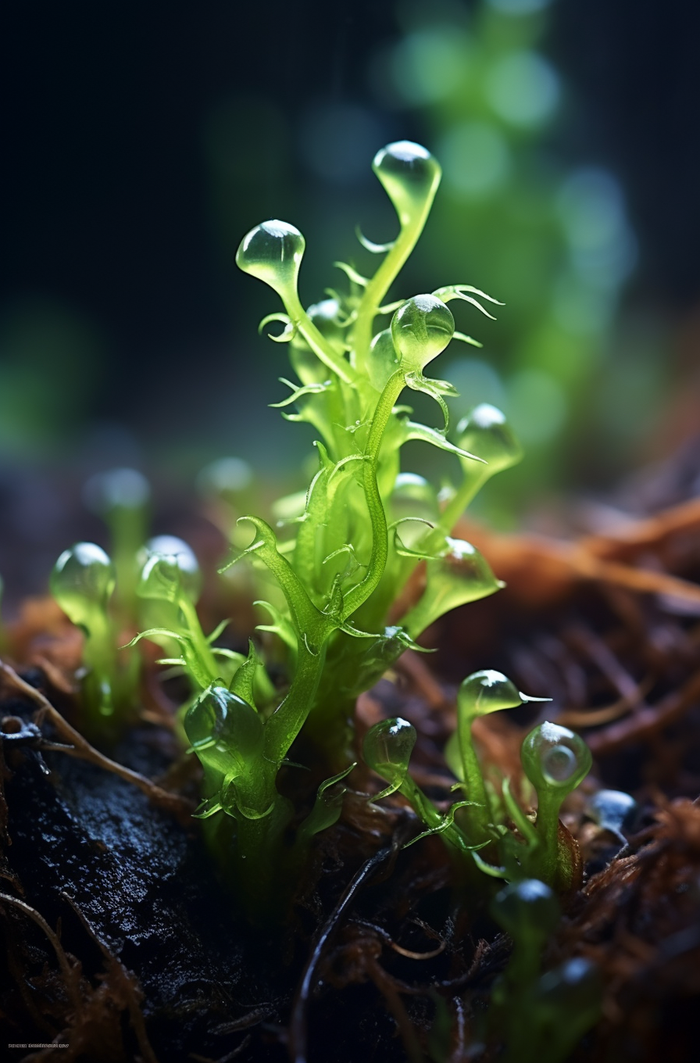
536	404
523	89
475	158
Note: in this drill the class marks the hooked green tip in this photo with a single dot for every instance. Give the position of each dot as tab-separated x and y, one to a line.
169	567
486	691
410	176
421	329
272	252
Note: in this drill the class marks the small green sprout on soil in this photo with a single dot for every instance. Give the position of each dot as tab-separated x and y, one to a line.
554	759
541	1017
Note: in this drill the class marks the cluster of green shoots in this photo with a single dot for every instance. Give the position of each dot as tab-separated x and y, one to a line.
554	759
331	569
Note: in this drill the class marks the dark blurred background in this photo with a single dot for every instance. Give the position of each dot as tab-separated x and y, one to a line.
141	141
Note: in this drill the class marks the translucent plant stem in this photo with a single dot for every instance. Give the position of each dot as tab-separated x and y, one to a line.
202	663
479	814
410	177
361	591
285	723
380	283
318	344
547	825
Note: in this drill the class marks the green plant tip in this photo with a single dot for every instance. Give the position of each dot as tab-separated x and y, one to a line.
387	748
410	176
486	432
82	581
272	252
555	759
487	691
421	329
225	731
527	910
169	569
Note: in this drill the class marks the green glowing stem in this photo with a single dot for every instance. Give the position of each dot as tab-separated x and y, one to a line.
287	720
98	655
205	667
470	486
479	815
380	546
323	351
379	285
547	826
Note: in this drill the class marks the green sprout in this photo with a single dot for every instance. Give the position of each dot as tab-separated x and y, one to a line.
121	497
82	582
336	557
480	694
541	1017
169	585
555	761
387	749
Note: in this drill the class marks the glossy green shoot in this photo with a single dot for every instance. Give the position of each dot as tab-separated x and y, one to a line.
387	749
541	1017
480	694
82	582
121	497
339	554
169	583
555	761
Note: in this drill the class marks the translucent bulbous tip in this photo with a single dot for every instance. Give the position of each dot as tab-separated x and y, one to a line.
410	176
420	330
272	252
526	910
169	569
388	746
225	731
486	432
82	578
555	758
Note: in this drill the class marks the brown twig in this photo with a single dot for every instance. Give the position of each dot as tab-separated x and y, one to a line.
81	748
647	722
